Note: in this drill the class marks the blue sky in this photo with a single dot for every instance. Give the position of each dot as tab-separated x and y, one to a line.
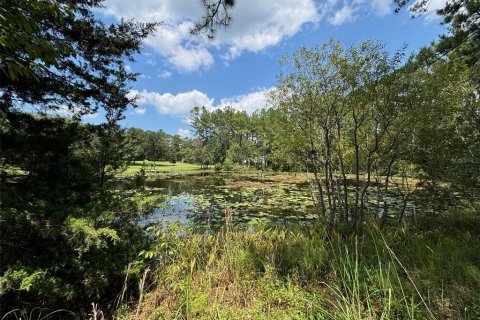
180	71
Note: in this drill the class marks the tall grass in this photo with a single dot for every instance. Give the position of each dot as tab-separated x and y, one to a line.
272	273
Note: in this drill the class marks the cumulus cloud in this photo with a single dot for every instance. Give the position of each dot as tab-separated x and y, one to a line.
174	43
250	102
379	7
187	120
257	25
382	7
180	104
184	133
347	11
261	24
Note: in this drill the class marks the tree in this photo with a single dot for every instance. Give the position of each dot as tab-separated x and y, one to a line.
448	148
65	238
341	114
74	61
59	223
135	144
463	40
228	134
216	16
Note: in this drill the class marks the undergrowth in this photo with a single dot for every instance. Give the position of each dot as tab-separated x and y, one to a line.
427	271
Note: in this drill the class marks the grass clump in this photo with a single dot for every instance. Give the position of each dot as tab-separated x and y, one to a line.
417	272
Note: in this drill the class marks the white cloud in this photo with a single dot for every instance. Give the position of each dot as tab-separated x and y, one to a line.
64	111
382	7
260	24
256	26
174	43
151	62
250	102
436	4
347	11
180	104
140	111
187	120
165	74
431	9
167	103
379	7
345	14
184	133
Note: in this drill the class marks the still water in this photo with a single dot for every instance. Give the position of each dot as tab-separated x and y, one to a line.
210	200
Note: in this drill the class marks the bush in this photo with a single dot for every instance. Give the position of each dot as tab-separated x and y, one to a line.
218	167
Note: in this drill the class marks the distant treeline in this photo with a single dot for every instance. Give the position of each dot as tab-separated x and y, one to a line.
156	146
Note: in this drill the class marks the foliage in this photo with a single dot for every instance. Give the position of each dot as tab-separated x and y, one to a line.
357	117
356	111
21	21
299	274
463	38
217	15
66	239
58	55
156	146
233	136
448	149
345	115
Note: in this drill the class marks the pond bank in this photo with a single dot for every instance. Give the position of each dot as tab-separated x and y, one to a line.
298	274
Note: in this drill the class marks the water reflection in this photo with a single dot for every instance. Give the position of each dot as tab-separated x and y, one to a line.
204	201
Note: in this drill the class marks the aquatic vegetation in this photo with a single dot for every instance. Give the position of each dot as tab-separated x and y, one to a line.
201	200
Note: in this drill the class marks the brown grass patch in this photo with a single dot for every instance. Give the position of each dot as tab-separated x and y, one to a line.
248	184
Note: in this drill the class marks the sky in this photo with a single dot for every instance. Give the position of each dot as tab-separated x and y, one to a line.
180	71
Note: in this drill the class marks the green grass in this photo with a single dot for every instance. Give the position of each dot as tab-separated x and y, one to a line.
13	171
155	167
427	271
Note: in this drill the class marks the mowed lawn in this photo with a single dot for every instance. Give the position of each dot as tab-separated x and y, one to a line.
163	166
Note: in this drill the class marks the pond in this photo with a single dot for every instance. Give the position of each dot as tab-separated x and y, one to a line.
209	200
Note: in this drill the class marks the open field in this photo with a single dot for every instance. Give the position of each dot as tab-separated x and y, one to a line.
159	167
